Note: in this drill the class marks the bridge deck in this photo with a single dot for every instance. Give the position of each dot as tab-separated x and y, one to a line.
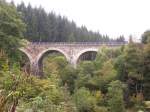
79	43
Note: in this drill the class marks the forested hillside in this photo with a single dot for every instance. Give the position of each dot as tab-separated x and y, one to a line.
49	27
118	80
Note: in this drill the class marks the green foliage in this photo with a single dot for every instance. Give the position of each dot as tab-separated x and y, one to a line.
119	66
86	67
133	65
92	87
84	100
54	64
146	37
101	57
130	70
68	76
12	87
105	75
85	73
104	54
115	94
33	93
3	61
146	72
11	30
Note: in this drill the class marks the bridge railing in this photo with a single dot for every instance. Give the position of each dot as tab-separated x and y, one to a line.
78	43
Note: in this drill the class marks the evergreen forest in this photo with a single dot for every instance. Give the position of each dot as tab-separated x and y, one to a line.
49	27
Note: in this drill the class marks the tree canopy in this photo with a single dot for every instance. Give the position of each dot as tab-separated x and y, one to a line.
11	29
49	27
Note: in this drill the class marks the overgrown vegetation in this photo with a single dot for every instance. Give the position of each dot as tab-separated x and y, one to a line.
118	80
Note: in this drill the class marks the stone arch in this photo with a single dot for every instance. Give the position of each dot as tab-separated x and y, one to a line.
27	67
52	49
27	54
44	52
84	51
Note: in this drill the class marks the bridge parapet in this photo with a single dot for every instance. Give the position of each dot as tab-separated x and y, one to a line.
80	43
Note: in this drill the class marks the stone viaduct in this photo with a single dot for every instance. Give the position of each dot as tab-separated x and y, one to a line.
72	51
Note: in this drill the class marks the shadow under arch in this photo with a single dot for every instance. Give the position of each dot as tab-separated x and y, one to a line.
87	54
45	53
27	54
25	62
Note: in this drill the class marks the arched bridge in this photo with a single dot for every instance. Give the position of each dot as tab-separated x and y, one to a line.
72	51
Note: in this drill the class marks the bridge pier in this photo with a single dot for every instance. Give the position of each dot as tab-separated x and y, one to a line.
35	70
73	63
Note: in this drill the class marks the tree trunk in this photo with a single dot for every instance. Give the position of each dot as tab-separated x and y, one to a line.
13	108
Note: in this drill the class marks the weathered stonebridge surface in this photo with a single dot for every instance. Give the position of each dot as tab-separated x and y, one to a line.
72	51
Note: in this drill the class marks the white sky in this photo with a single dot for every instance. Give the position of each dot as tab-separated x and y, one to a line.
112	17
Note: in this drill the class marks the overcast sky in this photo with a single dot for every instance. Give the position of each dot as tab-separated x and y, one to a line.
112	17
